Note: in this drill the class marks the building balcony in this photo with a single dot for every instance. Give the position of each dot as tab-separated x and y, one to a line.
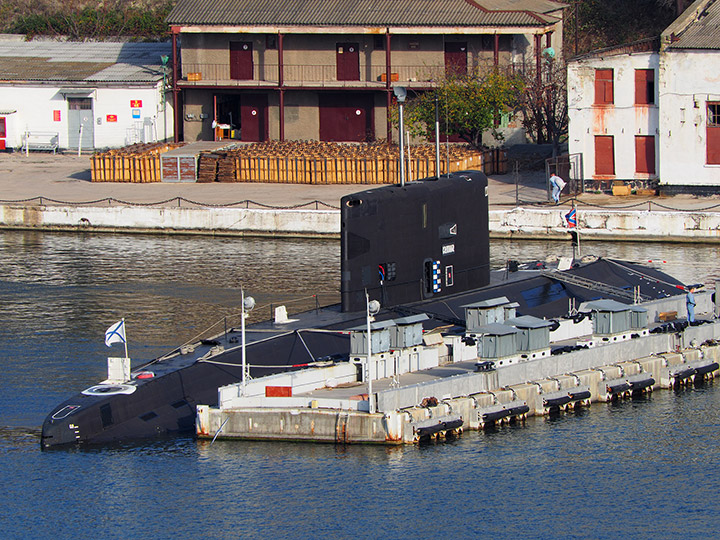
310	76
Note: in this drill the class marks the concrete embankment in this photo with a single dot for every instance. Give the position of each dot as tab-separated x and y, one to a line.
521	223
475	400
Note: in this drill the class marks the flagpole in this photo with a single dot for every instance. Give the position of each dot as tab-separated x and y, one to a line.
125	335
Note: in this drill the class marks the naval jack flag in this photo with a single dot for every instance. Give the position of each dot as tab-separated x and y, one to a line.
571	218
116	334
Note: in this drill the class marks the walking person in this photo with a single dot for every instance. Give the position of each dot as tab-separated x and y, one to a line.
557	184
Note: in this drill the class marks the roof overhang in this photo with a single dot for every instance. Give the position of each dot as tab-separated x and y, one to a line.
5	112
371	30
76	92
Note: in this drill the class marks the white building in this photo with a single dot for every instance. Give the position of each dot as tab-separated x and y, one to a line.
95	95
690	100
650	111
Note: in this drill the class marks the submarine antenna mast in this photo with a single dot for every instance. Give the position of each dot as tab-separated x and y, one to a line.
247	304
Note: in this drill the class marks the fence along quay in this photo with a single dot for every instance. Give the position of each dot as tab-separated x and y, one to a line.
444	384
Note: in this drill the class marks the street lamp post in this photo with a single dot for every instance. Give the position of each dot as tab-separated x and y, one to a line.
401	94
247	304
373	306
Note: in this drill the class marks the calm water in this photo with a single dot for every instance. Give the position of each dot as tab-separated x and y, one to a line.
643	468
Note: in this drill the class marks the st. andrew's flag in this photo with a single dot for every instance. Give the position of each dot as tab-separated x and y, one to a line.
571	218
116	333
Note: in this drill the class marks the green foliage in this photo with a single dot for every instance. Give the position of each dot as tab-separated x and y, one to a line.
108	20
468	106
605	23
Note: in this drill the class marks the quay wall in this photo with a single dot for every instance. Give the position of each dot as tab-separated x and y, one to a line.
521	223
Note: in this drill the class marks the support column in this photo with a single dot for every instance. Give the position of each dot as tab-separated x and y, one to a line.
388	89
177	114
496	50
281	84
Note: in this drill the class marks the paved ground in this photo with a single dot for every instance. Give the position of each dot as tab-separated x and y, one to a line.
65	178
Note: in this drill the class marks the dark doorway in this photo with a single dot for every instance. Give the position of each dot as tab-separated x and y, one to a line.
242	116
241	60
348	61
455	59
346	117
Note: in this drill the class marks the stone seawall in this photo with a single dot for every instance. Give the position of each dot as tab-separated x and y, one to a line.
521	223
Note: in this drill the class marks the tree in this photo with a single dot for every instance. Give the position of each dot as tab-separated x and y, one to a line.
544	102
468	106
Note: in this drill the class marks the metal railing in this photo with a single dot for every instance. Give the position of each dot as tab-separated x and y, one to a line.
309	74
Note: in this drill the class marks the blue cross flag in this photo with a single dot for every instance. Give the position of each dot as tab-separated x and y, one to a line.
116	333
571	218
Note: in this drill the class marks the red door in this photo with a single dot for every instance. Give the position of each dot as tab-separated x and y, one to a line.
455	59
3	134
253	117
713	133
645	154
346	117
348	61
241	60
604	155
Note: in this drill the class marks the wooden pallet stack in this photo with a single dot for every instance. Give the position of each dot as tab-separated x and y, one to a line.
135	163
312	162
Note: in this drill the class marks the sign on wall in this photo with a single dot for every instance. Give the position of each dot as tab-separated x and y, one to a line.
111	117
136	113
56	116
136	103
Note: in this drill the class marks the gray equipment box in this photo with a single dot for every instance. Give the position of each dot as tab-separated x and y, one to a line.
534	333
407	331
638	318
380	332
497	341
483	313
610	317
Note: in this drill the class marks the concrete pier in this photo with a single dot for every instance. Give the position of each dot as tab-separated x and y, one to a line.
441	406
48	192
520	223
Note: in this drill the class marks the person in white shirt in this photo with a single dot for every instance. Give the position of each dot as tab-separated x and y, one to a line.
557	184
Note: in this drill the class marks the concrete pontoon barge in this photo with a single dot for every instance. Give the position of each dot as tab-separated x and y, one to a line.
330	404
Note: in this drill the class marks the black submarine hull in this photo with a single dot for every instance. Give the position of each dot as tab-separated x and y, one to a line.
422	248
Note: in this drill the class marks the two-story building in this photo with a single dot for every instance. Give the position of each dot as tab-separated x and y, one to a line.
650	111
613	109
260	70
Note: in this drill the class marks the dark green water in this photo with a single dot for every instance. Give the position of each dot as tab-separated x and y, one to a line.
642	468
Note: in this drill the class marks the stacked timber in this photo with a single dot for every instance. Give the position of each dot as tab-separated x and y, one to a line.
314	162
208	167
135	163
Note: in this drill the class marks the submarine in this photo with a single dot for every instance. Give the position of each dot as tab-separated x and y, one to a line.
421	247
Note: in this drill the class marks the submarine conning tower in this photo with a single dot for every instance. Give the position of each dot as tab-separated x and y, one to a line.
426	239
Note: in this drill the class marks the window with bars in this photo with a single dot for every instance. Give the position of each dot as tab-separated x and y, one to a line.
714	114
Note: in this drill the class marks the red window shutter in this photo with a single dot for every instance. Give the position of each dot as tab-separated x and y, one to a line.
604	94
713	145
645	154
644	86
604	155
